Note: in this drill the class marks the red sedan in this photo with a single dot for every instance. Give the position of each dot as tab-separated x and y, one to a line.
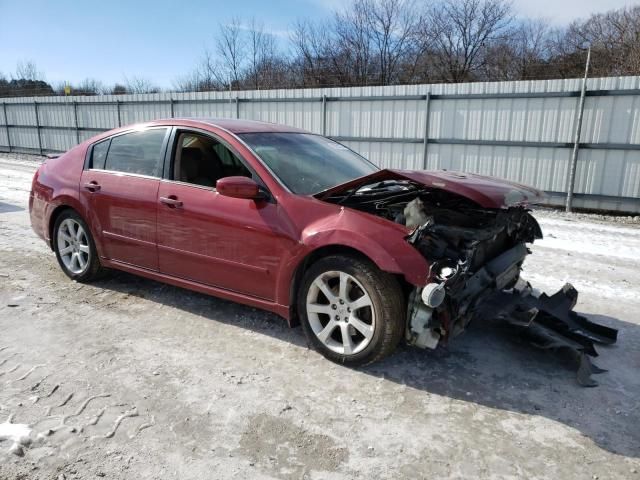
294	223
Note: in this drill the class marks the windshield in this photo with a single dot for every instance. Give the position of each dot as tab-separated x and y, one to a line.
308	163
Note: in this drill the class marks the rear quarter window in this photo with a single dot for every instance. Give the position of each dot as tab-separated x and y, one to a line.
99	154
137	152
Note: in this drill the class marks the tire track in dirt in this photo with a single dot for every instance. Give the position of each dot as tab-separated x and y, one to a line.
40	427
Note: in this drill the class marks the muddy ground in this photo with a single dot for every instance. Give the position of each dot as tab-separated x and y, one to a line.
129	378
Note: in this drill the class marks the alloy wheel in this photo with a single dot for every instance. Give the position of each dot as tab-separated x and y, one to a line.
73	246
340	312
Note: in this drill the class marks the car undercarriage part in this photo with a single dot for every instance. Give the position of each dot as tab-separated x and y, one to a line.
475	255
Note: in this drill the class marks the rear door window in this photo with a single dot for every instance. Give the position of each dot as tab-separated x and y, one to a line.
137	152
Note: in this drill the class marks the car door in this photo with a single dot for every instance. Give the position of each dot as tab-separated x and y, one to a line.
230	243
120	187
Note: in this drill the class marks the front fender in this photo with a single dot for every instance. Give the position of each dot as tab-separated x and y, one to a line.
380	240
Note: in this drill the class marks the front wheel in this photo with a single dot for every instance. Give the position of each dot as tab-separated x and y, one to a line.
75	249
351	312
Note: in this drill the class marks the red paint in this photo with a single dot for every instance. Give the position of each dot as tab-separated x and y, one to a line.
124	211
488	192
220	241
245	250
238	187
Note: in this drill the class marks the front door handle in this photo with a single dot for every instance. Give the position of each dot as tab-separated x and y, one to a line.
92	186
171	201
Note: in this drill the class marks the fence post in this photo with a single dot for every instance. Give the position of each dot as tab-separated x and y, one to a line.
35	106
576	145
237	107
324	115
75	120
6	124
426	130
171	103
119	119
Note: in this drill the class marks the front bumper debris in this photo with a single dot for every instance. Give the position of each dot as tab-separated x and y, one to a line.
549	322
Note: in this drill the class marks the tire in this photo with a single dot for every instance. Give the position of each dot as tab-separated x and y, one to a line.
68	243
340	295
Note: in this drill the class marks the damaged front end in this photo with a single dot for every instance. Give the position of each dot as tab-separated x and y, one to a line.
476	271
475	249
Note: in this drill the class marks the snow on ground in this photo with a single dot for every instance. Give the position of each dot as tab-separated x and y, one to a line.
136	379
590	238
15	179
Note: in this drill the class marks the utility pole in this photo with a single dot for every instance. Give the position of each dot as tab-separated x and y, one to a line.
576	144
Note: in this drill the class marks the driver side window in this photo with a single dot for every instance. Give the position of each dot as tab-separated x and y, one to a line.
202	160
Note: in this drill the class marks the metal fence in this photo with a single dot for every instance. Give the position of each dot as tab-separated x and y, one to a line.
521	131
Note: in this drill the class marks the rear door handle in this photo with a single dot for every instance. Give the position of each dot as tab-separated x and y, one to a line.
92	186
171	201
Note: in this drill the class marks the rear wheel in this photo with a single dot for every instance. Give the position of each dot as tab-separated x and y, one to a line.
350	311
75	248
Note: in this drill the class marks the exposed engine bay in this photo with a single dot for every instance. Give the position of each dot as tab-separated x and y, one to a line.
475	256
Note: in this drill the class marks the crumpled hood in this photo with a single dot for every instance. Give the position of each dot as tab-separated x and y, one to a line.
488	192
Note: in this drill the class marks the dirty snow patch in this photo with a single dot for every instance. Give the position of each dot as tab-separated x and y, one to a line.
17	433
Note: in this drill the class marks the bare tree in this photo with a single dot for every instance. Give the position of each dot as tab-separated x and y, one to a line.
139	85
614	37
261	53
88	86
206	76
119	89
522	54
27	70
460	29
313	49
232	50
352	58
532	47
393	27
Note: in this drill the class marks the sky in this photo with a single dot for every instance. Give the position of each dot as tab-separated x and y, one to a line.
161	40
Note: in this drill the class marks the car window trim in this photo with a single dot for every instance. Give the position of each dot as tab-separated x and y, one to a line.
187	184
88	161
126	174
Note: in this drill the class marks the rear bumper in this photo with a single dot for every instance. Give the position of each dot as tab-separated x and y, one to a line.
38	212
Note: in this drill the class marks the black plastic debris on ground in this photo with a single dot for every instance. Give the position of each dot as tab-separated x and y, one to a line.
549	322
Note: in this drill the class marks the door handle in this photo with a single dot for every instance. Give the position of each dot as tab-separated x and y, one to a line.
171	201
92	186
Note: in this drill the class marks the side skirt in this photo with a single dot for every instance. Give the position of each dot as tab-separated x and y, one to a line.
281	310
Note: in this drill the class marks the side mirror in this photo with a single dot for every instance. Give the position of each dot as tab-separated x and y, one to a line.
239	187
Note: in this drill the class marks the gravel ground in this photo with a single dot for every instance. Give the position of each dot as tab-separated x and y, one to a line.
129	378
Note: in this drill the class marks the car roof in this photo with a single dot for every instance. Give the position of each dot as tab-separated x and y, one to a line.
232	125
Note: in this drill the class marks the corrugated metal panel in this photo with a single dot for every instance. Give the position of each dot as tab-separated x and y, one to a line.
97	116
58	140
56	115
604	175
21	114
4	140
24	137
136	113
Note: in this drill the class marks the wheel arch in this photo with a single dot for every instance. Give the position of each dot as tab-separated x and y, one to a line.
58	210
55	214
322	252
